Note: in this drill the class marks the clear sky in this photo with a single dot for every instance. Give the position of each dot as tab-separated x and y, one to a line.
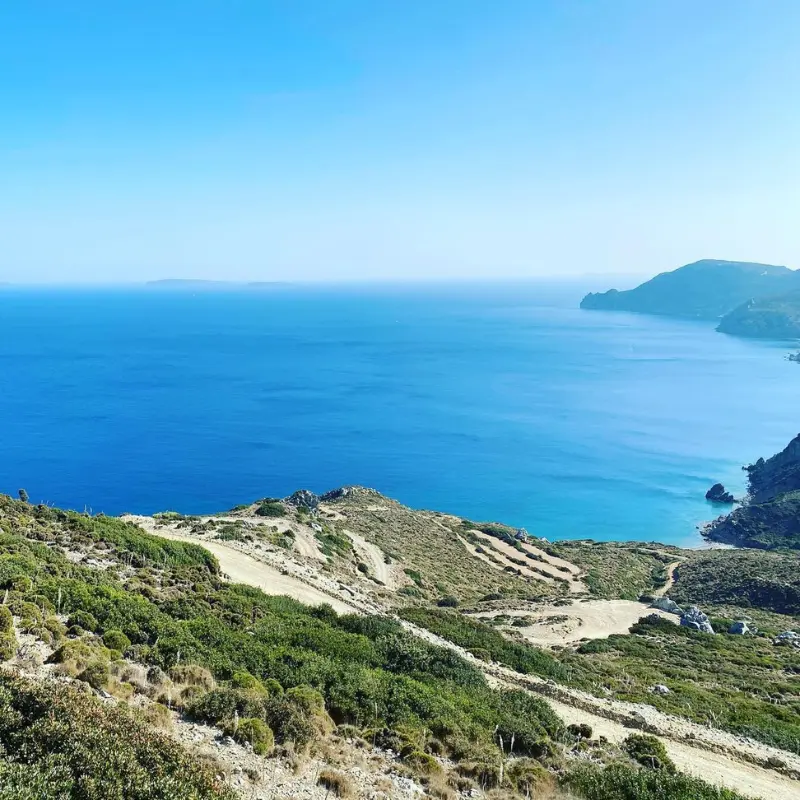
348	139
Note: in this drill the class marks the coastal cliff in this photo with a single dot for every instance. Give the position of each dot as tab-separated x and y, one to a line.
770	519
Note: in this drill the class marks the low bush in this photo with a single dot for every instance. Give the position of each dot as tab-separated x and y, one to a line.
59	744
254	732
271	508
648	751
620	782
116	640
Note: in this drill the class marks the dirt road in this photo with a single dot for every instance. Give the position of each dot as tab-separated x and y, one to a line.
241	568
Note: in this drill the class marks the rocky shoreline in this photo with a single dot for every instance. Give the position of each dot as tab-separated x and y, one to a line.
769	516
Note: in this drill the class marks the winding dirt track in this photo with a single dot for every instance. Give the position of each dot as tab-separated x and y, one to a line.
706	753
241	568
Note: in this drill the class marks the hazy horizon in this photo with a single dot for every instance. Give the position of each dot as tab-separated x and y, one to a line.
322	142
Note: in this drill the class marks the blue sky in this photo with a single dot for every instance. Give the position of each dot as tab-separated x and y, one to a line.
382	139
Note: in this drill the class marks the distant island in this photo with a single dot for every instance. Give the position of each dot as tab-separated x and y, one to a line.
750	299
199	284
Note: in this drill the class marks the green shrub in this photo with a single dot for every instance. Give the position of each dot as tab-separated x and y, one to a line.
69	745
56	627
244	680
648	751
95	674
528	777
621	782
290	721
8	645
580	731
447	602
6	620
116	640
84	620
224	703
22	584
423	763
271	508
255	732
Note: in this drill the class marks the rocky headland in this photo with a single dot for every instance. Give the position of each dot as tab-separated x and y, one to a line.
770	516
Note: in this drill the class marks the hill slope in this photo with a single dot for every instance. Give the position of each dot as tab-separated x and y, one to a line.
138	622
765	318
706	289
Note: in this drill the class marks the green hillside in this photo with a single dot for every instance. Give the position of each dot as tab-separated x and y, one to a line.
706	289
765	318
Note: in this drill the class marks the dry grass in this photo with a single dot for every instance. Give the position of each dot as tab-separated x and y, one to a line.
336	782
425	543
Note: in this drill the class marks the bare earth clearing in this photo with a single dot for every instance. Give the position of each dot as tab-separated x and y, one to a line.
587	619
715	756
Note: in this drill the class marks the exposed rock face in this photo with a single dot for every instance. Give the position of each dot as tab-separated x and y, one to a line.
717	494
350	491
739	628
695	619
788	639
303	498
776	475
770	518
659	688
666	604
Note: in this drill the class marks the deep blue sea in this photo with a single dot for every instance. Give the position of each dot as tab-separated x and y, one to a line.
491	401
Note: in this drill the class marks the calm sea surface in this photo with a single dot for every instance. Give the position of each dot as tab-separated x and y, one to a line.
490	401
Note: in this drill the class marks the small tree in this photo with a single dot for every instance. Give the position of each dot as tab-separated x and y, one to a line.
23	495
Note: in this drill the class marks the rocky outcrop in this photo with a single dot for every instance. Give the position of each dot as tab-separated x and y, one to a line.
787	639
717	494
740	628
770	518
303	498
666	604
776	475
695	619
351	492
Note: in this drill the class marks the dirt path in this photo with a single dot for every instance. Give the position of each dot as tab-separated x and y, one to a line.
305	544
670	579
590	619
718	757
714	768
242	568
374	558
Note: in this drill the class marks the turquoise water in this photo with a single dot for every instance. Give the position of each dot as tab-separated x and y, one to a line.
491	401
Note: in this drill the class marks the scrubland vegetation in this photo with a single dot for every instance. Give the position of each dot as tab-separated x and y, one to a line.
158	622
